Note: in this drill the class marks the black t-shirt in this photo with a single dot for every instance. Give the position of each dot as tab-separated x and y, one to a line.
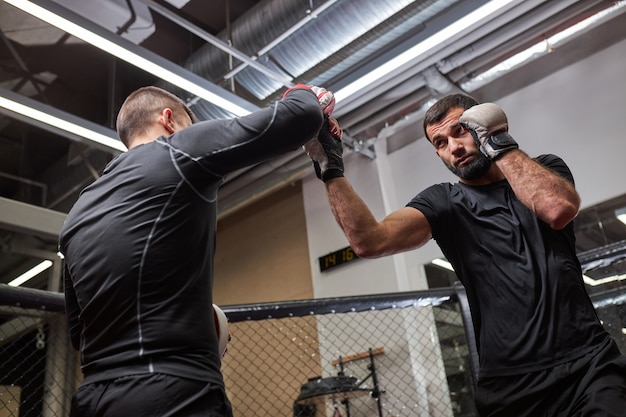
139	243
523	279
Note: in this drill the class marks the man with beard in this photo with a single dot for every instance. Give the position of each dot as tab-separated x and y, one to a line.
506	228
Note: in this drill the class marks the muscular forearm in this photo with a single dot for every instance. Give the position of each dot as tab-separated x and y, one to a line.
352	214
401	230
551	197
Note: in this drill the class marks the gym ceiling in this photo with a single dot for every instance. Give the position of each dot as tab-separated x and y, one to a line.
247	52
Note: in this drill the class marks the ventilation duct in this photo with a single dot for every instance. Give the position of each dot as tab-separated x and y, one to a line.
327	38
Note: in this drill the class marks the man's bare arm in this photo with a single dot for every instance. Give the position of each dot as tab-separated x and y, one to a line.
551	197
402	230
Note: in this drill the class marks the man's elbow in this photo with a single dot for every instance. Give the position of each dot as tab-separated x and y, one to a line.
312	116
315	118
367	250
563	216
304	108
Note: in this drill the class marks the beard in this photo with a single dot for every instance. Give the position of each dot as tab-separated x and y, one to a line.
475	169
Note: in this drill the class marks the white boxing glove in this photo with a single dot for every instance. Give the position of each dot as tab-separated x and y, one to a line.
489	126
223	332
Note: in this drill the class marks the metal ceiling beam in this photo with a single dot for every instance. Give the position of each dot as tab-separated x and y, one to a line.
29	219
136	55
312	14
217	42
441	22
50	118
516	32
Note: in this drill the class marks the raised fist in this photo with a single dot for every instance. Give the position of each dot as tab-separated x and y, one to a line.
489	126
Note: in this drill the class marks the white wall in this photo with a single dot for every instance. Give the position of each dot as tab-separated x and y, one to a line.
577	113
363	276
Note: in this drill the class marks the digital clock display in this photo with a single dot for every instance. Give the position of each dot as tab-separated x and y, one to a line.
337	258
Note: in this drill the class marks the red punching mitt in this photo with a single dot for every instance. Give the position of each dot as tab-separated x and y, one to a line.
325	97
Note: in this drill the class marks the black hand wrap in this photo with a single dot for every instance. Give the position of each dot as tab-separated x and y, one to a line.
495	145
327	154
498	144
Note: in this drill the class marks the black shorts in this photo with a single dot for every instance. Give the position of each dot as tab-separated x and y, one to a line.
592	386
150	395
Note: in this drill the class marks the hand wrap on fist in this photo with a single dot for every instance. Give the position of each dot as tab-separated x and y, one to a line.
326	151
325	97
489	126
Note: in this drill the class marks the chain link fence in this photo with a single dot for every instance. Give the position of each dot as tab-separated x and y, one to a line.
38	367
405	354
391	355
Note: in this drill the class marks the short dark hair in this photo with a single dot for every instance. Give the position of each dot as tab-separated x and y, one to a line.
439	110
141	105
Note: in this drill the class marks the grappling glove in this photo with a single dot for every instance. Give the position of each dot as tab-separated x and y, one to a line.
325	97
326	151
489	126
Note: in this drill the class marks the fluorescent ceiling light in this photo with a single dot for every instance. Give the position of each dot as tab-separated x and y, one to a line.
621	215
124	53
61	123
443	264
424	46
593	282
31	273
587	279
537	50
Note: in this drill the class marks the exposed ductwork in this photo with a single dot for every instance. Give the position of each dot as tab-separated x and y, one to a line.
265	46
316	53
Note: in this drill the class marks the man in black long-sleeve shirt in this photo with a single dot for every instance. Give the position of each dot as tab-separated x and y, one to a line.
139	245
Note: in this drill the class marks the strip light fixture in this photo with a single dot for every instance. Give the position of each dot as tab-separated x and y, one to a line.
31	273
600	281
621	214
55	120
134	55
539	49
422	47
442	263
161	68
588	280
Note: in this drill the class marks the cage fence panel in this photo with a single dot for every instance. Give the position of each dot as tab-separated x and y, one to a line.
611	308
389	355
38	369
356	356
